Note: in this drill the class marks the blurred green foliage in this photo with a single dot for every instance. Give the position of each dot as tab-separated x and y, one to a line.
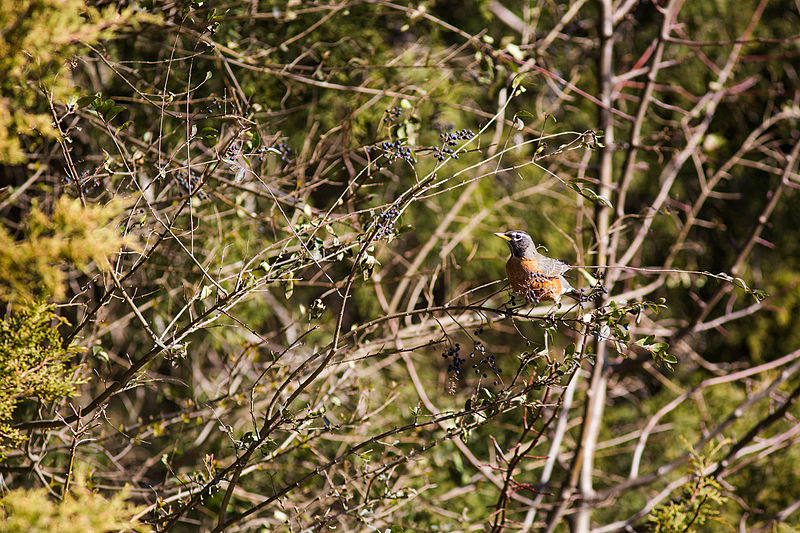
698	503
33	267
33	365
80	511
39	40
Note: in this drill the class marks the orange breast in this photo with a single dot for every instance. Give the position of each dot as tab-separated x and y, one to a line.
529	282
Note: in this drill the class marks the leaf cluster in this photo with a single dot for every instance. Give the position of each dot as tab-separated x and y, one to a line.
698	502
82	510
32	267
34	364
38	42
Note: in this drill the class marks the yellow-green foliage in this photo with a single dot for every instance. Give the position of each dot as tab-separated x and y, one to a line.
81	511
38	39
33	364
699	501
30	268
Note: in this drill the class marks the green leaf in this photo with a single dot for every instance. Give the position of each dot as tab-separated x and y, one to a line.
105	106
205	292
288	288
658	347
123	126
589	194
100	353
89	100
668	358
517	81
645	341
569	351
368	264
113	112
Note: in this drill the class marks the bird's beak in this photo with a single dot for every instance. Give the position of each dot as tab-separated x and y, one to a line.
503	236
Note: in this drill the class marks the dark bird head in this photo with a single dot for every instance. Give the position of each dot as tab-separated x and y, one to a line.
519	242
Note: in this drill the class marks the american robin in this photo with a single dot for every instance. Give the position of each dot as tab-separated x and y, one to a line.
532	275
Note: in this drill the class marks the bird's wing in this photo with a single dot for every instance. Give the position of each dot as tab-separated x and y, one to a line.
552	268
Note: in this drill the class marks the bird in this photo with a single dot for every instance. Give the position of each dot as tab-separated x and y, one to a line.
532	275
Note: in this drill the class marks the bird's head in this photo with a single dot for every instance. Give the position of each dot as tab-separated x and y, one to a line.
519	242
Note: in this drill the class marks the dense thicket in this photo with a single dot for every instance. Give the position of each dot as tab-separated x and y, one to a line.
249	280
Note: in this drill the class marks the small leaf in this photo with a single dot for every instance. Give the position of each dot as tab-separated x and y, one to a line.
123	126
368	264
517	81
758	294
589	194
205	292
84	101
100	353
658	347
288	288
645	340
569	351
105	106
113	112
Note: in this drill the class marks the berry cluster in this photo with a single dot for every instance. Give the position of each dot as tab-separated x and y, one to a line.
453	354
85	181
451	138
215	103
443	153
284	149
190	183
393	113
260	152
386	221
485	360
281	147
481	358
233	151
395	150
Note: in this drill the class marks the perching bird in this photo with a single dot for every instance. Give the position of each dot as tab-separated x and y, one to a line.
532	275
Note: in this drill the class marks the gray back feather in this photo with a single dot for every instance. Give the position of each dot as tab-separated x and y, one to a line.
551	268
